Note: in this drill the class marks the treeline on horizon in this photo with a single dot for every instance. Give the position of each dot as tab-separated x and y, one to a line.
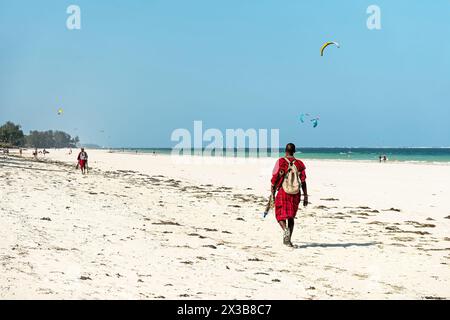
11	135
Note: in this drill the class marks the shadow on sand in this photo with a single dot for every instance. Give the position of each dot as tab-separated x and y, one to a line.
335	245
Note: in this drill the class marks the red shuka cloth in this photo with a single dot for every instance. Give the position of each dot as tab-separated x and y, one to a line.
286	205
82	163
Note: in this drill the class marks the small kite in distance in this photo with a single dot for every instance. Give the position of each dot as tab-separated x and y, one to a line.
326	44
306	116
303	116
60	111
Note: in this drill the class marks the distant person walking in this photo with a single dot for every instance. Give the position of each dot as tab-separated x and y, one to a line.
288	178
82	161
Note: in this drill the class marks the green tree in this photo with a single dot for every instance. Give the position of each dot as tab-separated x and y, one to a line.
34	139
61	139
74	142
51	139
11	134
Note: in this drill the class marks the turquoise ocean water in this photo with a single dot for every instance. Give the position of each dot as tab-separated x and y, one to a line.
393	154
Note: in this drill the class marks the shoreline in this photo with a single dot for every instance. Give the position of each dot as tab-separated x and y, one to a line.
239	158
298	155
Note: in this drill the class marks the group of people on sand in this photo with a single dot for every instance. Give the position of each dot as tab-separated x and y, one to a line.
288	183
82	158
382	158
36	152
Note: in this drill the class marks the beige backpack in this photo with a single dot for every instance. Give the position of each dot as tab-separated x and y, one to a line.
291	182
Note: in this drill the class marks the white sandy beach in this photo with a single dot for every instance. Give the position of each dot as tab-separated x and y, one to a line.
141	226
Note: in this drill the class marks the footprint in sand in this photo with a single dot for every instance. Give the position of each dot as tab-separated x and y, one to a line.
420	225
361	276
255	259
196	235
166	223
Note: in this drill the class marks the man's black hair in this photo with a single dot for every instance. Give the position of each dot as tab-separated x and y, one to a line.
290	149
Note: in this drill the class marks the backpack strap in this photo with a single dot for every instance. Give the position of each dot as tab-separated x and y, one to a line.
289	161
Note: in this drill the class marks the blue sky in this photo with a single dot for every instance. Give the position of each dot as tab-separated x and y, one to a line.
137	70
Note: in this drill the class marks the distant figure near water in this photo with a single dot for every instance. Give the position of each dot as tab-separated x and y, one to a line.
82	161
288	177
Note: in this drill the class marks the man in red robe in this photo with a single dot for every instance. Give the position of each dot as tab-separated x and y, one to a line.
286	204
82	161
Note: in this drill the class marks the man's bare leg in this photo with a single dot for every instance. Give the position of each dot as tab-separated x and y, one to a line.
291	225
282	224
